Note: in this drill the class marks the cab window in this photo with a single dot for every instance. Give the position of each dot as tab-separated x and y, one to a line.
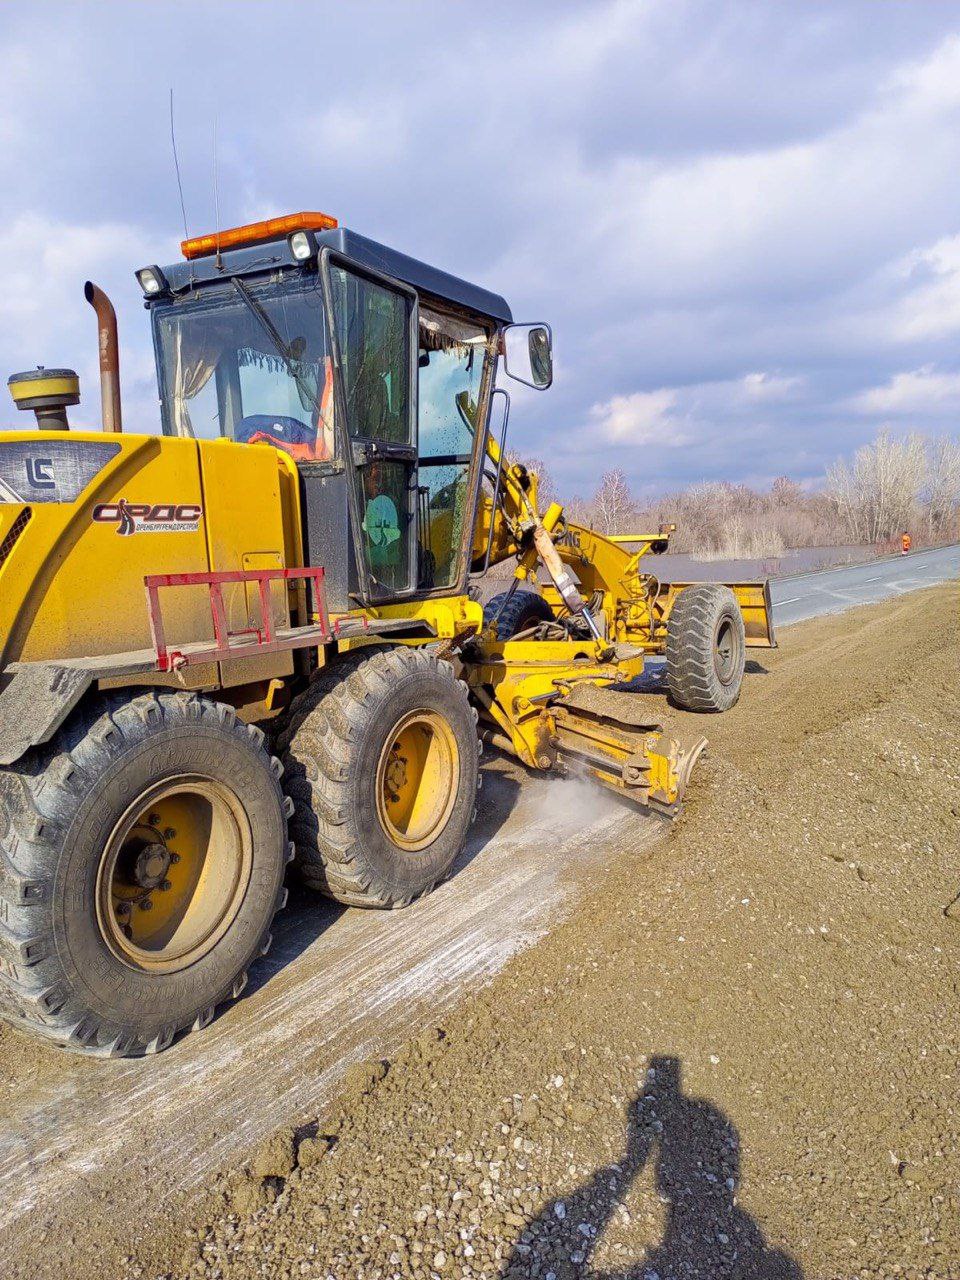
372	329
452	361
373	326
250	364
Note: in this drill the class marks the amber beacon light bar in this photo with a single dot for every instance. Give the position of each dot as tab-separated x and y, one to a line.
255	233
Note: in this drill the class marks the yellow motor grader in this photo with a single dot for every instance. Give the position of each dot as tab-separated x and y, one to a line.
298	549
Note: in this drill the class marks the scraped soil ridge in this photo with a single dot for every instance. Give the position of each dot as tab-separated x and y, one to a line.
737	1057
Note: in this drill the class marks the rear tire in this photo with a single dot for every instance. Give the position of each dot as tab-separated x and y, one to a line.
706	648
524	609
142	857
381	762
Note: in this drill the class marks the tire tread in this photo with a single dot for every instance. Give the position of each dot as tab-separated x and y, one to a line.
319	747
691	675
34	793
521	610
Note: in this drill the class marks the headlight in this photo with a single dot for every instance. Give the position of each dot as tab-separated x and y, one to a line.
301	245
152	281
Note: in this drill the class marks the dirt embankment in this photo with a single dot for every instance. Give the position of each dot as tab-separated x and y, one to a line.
739	1057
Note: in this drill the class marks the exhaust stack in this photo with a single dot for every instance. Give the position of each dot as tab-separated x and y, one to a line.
109	348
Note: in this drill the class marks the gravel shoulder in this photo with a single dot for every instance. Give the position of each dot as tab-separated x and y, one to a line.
738	1055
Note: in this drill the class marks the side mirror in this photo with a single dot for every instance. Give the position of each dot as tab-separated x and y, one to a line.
528	354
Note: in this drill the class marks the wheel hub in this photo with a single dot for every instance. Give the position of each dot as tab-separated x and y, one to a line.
417	780
151	866
724	651
161	908
396	774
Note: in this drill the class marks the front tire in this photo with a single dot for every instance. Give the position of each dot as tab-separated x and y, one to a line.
381	761
517	612
706	648
142	857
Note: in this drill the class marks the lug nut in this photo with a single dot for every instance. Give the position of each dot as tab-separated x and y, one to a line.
165	885
145	904
168	833
153	819
174	857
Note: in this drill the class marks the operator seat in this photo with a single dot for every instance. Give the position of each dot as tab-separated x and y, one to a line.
289	434
302	442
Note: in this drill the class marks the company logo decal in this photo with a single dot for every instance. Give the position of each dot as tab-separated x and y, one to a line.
40	473
147	517
50	471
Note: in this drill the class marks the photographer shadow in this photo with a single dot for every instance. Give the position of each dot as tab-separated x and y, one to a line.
695	1152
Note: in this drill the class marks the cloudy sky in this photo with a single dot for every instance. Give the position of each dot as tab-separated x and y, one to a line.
742	219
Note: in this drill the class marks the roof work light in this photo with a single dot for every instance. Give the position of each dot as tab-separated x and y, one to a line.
152	281
302	245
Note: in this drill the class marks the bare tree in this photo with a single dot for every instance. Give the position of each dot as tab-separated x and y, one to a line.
613	503
546	490
889	485
579	511
723	521
786	492
879	493
942	487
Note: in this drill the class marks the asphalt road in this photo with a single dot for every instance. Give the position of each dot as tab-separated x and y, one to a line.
809	595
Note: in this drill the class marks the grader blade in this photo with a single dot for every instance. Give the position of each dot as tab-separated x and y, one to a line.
612	736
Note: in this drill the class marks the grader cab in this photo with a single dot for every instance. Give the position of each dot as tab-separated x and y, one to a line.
257	636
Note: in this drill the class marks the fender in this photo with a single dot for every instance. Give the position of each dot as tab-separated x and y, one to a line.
35	699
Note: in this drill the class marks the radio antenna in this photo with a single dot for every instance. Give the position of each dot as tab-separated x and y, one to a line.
216	189
176	165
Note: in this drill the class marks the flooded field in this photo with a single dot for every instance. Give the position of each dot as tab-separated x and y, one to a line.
681	568
687	568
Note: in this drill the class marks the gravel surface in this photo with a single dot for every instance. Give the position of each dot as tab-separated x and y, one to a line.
737	1058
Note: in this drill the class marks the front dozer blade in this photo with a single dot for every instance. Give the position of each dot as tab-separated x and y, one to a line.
611	735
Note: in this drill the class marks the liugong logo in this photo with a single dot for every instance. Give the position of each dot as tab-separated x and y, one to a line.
146	517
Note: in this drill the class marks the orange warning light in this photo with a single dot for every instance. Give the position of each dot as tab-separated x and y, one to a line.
256	233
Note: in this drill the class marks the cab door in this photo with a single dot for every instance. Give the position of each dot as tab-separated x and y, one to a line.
455	366
374	328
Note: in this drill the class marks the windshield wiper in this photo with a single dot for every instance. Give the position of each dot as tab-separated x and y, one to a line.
308	395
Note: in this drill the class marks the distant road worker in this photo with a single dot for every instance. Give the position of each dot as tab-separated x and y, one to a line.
906	542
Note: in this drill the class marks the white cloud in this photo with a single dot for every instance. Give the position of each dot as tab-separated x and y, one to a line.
345	133
932	82
810	214
921	391
683	193
692	415
642	418
46	320
931	308
769	386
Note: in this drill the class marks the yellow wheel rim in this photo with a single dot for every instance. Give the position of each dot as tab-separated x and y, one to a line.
174	873
417	780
